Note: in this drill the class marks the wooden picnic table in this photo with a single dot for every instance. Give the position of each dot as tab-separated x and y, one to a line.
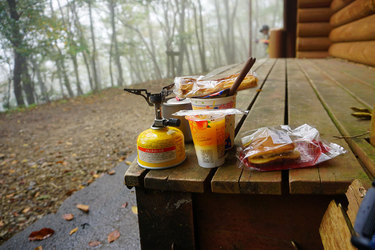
189	207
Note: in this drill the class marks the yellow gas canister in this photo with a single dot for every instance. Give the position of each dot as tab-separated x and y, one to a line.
160	148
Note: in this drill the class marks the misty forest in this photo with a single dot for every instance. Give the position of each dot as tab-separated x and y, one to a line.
65	120
53	49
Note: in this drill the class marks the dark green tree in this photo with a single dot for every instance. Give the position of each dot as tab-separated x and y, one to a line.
20	22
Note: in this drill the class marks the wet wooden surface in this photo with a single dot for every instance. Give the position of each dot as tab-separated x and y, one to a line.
235	208
319	92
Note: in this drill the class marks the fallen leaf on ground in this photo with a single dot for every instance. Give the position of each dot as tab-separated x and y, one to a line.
9	195
122	159
113	236
95	176
41	234
44	197
111	172
84	208
94	243
128	163
73	231
70	192
68	217
1	223
135	209
26	210
38	248
124	205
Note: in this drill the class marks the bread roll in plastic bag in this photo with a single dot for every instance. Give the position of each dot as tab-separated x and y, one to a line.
267	149
215	81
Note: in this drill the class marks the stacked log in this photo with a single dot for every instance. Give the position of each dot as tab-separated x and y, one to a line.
337	5
354	11
313	28
353	35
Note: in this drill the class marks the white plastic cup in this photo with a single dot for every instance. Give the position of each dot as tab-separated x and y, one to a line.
219	103
208	135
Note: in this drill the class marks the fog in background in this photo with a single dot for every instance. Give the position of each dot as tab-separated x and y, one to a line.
63	48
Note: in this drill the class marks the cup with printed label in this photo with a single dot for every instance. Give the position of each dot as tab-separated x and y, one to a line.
219	103
208	132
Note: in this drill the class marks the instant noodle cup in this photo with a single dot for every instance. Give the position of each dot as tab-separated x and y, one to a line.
219	103
208	132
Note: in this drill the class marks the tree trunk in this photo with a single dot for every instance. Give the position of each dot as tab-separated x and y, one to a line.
250	28
19	60
110	63
27	84
181	32
188	62
17	72
60	79
62	72
82	40
133	70
112	6
72	53
194	61
76	73
41	82
149	50
202	49
93	56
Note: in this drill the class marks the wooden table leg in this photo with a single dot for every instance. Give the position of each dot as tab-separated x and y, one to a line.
165	219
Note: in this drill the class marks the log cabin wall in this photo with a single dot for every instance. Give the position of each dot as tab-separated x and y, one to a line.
313	28
353	30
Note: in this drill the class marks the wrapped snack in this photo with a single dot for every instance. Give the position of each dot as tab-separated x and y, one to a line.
215	81
269	149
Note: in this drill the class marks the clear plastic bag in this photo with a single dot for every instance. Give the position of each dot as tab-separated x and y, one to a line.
267	149
214	82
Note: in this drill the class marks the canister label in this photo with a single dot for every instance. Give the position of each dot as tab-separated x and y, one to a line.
157	155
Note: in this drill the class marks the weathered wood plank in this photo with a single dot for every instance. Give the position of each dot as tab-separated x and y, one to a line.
361	91
355	194
187	177
244	97
334	229
268	110
337	102
303	107
361	72
227	177
331	177
134	175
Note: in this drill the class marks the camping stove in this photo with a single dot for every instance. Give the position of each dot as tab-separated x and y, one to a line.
161	146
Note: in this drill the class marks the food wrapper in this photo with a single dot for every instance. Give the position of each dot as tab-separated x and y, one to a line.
267	149
214	82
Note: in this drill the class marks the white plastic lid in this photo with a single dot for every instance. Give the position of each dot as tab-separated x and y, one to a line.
174	101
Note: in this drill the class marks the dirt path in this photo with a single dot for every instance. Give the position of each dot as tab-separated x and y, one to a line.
51	151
